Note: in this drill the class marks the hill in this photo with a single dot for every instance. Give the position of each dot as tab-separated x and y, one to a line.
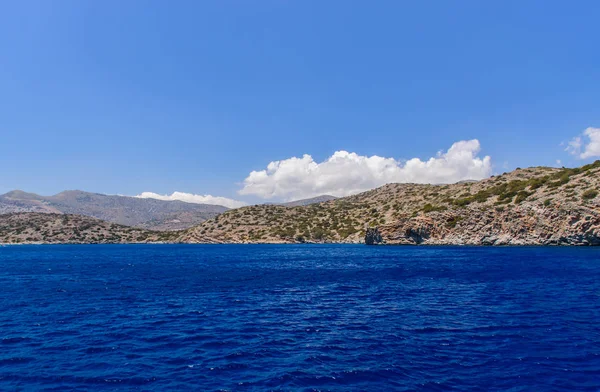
49	228
538	205
149	214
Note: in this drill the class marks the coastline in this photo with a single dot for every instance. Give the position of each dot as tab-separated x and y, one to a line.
385	245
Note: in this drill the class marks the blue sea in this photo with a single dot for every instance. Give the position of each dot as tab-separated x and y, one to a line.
299	318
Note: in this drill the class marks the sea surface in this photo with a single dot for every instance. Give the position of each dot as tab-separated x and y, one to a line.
299	318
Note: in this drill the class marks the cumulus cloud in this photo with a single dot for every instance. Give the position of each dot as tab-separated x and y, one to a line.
346	173
585	150
192	198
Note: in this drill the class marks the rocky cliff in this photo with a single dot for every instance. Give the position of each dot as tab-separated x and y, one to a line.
522	225
561	208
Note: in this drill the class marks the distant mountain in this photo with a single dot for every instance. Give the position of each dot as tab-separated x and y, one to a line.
150	214
304	202
48	228
307	202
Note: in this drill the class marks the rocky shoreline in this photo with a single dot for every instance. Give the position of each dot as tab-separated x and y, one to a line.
525	225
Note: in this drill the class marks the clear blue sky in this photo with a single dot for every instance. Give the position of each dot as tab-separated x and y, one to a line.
131	96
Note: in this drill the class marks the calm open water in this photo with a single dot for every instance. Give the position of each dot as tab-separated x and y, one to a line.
307	317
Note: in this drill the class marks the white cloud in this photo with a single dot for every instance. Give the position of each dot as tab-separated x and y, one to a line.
192	198
592	149
346	173
574	146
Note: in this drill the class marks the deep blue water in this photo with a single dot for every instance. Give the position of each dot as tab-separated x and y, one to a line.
308	317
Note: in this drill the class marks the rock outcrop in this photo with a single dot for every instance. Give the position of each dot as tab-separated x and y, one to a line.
519	225
373	236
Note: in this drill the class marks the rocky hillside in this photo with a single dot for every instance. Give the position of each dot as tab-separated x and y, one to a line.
149	214
49	228
537	205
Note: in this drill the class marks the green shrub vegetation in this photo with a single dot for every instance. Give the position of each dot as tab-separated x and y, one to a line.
453	221
589	194
521	196
431	208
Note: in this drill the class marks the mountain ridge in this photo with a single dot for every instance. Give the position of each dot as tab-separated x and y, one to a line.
130	211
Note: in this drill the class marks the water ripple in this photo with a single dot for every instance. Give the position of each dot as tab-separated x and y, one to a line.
306	318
